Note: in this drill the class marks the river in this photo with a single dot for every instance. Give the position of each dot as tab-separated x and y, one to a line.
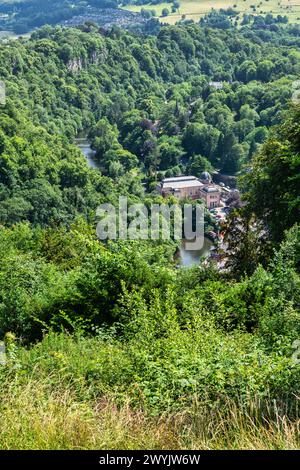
84	145
186	257
192	257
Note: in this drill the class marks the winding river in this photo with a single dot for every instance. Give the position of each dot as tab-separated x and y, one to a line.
84	145
186	257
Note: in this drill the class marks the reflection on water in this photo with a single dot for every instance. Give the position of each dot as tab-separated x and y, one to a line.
84	145
192	257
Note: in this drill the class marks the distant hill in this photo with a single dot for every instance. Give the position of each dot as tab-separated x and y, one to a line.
22	16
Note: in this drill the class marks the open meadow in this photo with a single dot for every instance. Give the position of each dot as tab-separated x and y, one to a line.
195	9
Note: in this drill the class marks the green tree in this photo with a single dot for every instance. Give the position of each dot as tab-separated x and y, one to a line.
200	139
272	183
198	165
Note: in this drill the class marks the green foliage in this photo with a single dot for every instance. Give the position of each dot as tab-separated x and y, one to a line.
173	335
142	330
272	184
90	276
149	96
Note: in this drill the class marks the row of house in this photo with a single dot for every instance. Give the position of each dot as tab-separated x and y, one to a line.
191	187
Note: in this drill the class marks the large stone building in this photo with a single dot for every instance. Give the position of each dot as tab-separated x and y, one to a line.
211	195
181	187
191	187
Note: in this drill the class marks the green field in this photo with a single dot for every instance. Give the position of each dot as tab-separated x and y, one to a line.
195	9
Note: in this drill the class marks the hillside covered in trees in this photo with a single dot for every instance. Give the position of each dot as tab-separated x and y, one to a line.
110	345
146	103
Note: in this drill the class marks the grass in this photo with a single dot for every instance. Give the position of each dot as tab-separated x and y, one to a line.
67	393
195	9
11	35
33	417
83	392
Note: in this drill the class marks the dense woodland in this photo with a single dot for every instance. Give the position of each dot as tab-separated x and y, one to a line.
90	324
146	104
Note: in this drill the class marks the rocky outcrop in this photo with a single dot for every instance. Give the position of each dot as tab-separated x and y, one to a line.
79	63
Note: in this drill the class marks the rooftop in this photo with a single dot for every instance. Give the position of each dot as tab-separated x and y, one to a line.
179	182
179	178
210	189
182	184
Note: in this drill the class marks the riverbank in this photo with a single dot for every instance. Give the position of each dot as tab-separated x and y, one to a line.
185	256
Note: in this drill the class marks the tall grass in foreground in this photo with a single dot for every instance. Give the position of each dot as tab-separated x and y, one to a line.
32	417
